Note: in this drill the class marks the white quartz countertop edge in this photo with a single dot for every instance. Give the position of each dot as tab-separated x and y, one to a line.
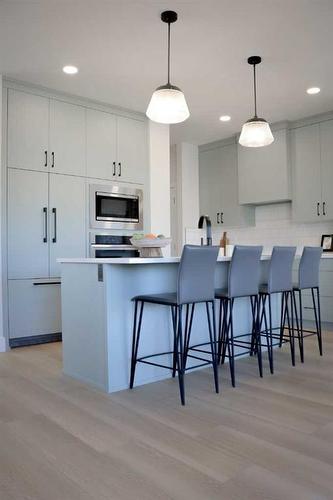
156	260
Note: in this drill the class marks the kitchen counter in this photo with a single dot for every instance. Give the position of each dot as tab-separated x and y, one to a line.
97	316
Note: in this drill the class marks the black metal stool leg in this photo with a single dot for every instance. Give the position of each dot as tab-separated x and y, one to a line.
298	328
290	330
135	340
212	341
188	330
252	348
174	329
230	342
283	318
317	318
226	320
180	356
258	337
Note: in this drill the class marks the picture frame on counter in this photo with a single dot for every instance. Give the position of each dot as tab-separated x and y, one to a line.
327	242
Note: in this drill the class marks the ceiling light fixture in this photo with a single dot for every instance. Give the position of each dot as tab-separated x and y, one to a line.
313	90
225	118
70	70
167	104
256	132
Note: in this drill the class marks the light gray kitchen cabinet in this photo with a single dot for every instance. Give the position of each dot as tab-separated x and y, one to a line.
312	160
101	144
218	187
34	307
46	220
67	219
28	235
264	174
131	150
67	138
28	130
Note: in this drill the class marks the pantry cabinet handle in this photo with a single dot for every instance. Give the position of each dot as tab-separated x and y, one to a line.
114	168
318	209
222	221
218	218
45	164
45	224
54	239
119	165
52	154
37	283
324	208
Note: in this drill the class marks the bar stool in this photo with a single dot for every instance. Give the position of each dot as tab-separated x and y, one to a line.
243	282
308	279
279	282
195	284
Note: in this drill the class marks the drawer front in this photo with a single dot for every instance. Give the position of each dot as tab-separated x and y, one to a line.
34	307
326	304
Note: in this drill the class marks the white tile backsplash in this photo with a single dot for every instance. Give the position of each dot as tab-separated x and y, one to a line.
273	226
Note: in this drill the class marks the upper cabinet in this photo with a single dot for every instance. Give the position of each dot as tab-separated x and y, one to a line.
67	138
264	173
28	130
116	147
312	160
218	187
51	135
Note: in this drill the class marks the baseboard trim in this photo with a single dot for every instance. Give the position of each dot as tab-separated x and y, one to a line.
3	346
35	339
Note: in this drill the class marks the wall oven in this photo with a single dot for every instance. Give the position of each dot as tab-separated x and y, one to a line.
115	207
105	246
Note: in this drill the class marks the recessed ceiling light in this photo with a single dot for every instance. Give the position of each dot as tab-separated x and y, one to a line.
313	90
225	118
70	70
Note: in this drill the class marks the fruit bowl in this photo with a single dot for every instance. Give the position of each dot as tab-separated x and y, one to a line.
150	247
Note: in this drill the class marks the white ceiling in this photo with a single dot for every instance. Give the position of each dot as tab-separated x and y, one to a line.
120	48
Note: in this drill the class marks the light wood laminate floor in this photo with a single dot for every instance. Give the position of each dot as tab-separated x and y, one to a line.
269	438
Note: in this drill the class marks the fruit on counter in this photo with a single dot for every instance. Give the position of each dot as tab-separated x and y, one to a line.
137	236
150	236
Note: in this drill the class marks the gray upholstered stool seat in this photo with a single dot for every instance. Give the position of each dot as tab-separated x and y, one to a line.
279	282
195	284
243	282
308	279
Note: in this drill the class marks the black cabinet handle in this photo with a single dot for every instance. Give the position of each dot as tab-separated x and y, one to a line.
222	221
114	168
218	218
45	224
119	165
37	283
318	209
324	208
45	164
52	154
54	239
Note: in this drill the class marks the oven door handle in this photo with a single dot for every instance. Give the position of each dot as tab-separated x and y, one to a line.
101	246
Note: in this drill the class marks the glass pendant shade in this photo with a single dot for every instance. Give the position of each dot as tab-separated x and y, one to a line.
168	105
256	133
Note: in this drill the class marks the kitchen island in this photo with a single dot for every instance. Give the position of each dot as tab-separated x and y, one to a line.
97	316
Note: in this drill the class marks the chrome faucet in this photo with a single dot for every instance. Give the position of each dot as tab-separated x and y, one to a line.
202	219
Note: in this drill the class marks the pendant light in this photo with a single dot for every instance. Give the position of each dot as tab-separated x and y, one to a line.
256	132
168	104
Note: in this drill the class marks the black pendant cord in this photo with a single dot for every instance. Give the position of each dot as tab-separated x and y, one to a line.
255	91
168	53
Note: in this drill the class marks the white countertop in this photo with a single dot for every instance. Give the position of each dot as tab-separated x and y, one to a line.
155	260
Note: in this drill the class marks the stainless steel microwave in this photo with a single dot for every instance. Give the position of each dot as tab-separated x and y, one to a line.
115	207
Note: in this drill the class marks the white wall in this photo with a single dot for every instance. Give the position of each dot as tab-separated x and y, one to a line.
273	226
2	191
159	161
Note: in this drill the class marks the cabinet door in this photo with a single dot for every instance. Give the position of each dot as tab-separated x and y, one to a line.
131	150
67	138
67	219
28	129
209	174
305	142
101	145
326	138
264	173
34	308
28	233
